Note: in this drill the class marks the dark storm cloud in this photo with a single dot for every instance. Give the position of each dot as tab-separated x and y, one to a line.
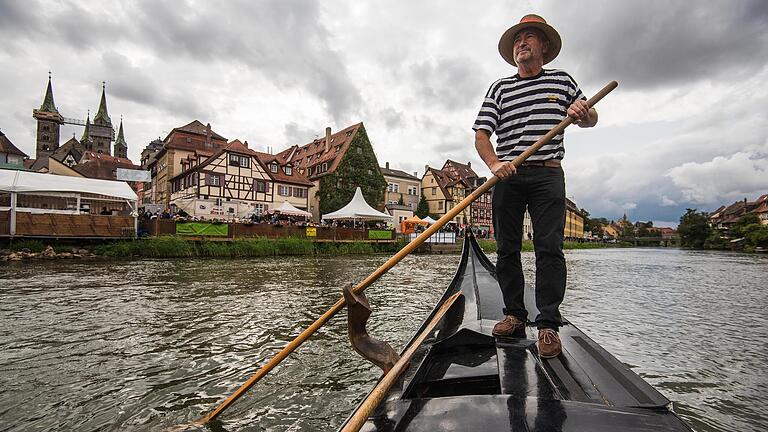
136	84
285	42
659	43
447	83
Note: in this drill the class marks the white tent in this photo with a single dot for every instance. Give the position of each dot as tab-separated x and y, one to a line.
55	186
358	209
429	220
287	208
32	182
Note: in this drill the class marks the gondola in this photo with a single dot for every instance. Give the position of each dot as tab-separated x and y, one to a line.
461	378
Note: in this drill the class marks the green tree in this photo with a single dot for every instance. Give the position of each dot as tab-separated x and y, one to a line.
401	201
422	210
693	229
715	241
738	228
756	235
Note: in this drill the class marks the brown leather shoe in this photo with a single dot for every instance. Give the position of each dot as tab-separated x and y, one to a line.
509	326
549	343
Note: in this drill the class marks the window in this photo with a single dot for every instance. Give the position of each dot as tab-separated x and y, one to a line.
325	166
241	161
212	179
439	205
309	158
273	167
288	170
393	187
434	191
259	185
412	190
259	208
234	159
283	190
299	192
338	147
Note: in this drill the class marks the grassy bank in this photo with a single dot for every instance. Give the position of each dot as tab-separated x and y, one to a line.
177	247
489	246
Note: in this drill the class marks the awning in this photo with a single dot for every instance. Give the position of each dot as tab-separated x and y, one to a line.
32	182
287	208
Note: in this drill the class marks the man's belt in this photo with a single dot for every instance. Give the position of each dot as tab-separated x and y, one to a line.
551	163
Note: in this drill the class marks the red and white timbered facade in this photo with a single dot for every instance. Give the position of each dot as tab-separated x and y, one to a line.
231	183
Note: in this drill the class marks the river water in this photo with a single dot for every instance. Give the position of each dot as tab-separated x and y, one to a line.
148	344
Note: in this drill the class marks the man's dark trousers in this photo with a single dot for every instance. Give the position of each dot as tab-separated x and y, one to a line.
542	190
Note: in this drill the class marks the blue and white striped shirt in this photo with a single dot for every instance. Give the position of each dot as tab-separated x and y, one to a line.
522	110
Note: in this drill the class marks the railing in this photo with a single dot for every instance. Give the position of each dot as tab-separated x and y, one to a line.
445	237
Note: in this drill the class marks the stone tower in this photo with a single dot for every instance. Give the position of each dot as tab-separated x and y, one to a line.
102	133
49	122
121	147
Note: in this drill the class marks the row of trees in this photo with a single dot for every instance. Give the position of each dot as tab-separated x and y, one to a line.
695	232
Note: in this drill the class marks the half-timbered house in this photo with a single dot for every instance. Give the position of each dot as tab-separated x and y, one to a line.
230	183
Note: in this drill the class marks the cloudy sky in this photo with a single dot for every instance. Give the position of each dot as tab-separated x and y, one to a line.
687	126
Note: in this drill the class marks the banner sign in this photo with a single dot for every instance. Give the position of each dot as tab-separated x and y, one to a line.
125	174
311	232
202	229
380	234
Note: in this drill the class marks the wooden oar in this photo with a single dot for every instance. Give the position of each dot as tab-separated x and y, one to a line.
377	394
410	247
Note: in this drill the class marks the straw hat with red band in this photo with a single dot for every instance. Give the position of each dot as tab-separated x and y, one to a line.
531	20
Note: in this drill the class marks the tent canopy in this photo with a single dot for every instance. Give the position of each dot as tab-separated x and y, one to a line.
416	220
287	208
429	220
32	182
358	209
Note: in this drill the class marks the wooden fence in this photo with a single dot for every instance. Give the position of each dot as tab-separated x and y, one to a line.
67	225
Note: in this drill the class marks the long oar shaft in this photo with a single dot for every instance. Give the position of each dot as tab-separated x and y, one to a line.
410	247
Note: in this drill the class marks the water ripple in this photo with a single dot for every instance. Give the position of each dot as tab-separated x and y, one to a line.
148	344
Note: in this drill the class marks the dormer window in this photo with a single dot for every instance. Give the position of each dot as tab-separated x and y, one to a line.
309	158
273	167
240	161
288	170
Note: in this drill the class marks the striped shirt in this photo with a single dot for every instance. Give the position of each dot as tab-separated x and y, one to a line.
522	110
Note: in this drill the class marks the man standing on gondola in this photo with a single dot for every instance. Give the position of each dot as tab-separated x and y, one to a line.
519	110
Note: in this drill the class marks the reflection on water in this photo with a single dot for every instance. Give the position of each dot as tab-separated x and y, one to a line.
149	344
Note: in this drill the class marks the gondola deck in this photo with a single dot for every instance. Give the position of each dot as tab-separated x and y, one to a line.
463	378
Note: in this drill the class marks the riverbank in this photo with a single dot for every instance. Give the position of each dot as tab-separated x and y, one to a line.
489	246
179	247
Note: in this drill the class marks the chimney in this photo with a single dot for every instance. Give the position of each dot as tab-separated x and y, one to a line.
386	165
469	164
415	173
426	168
208	142
328	138
246	143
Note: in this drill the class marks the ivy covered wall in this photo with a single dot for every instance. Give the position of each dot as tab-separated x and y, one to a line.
358	167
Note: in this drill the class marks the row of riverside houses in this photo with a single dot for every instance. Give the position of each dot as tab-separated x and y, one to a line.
726	216
199	171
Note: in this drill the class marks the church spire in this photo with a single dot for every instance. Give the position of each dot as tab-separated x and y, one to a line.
102	116
121	147
87	132
48	104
